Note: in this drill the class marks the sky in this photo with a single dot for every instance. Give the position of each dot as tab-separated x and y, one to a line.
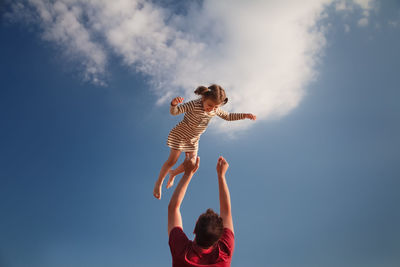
85	88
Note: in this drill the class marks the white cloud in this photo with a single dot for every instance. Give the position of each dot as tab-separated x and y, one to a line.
366	5
343	5
264	53
62	23
348	7
346	28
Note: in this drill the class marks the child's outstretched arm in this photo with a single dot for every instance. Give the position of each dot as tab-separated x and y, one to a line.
176	109
234	116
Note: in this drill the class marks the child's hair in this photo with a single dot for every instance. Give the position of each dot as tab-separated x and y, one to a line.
213	92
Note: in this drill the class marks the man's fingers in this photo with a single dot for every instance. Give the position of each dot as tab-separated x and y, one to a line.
223	162
195	163
189	156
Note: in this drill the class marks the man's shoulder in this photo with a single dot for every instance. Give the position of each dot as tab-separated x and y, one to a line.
176	232
178	241
176	235
228	233
227	241
176	229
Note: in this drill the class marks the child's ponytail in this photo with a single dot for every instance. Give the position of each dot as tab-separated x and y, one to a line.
214	92
201	90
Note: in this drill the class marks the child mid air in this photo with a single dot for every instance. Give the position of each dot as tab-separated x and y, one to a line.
186	134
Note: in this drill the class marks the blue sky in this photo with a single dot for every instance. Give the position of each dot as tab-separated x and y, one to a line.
314	181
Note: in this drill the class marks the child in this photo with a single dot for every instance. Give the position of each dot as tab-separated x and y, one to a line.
186	134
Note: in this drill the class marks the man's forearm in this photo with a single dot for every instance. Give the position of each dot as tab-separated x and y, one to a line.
224	196
180	191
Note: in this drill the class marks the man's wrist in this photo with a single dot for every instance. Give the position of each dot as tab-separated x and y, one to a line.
188	174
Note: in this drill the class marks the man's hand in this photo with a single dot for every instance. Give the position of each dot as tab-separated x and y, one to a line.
191	165
176	101
222	166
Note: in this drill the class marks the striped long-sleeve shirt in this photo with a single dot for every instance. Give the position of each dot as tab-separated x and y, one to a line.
186	133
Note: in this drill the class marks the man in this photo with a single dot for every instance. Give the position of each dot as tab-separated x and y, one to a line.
214	239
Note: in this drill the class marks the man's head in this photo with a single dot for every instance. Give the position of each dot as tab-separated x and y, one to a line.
209	228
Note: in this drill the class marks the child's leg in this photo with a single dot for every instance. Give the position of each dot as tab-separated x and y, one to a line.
178	170
173	173
173	157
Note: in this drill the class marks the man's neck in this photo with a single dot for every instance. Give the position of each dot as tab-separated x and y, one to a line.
203	249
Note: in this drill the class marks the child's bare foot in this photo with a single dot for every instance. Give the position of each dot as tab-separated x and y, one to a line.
157	190
171	178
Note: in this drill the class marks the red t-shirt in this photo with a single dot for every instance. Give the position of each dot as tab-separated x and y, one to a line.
185	253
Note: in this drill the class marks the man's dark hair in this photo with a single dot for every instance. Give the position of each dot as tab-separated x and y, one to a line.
209	228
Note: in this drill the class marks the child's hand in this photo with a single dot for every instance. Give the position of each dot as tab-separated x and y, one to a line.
176	101
222	166
251	116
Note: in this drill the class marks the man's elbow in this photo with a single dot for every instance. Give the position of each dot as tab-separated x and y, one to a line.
226	213
172	207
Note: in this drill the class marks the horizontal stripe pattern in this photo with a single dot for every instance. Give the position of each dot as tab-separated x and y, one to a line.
230	116
186	134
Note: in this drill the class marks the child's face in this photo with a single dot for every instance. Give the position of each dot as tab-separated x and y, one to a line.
210	105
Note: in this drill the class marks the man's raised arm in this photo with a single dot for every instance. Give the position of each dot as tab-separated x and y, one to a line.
174	214
224	196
